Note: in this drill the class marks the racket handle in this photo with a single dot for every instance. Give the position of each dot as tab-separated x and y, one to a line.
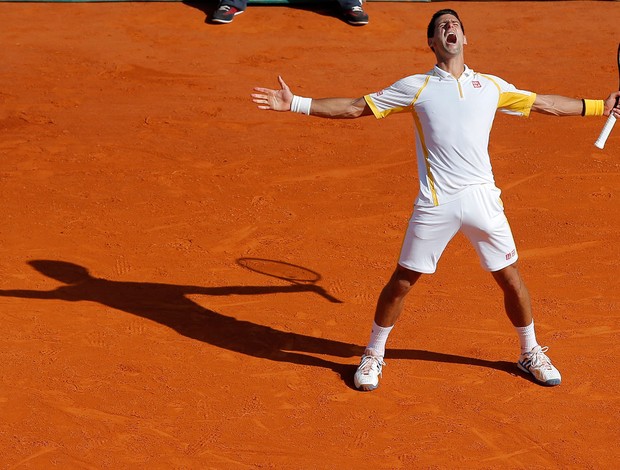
602	138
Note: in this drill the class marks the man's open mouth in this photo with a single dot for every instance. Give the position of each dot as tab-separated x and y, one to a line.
451	38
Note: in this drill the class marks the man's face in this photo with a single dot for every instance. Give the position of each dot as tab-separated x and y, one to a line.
448	37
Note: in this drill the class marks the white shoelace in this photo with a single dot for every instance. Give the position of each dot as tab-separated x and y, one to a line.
539	359
370	363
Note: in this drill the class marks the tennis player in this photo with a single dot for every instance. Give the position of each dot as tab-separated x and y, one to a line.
453	108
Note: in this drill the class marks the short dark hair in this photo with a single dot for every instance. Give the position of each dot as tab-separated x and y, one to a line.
430	31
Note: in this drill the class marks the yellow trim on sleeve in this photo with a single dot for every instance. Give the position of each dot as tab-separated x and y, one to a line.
518	102
381	114
372	107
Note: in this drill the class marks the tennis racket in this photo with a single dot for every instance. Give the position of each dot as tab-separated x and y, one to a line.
288	272
611	120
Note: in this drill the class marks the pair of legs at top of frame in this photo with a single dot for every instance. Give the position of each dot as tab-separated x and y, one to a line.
352	11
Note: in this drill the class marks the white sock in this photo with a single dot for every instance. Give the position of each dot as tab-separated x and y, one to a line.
378	338
527	337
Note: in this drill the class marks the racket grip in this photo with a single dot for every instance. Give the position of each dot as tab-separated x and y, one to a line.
602	138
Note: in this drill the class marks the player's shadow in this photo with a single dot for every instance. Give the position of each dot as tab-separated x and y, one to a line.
169	305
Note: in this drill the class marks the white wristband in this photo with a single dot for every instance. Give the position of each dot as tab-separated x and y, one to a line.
301	105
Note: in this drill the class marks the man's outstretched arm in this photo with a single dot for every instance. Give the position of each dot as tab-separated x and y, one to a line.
563	106
334	108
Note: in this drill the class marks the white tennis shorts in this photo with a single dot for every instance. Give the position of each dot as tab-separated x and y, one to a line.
478	213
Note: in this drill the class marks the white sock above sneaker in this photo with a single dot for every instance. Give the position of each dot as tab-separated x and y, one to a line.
527	337
378	338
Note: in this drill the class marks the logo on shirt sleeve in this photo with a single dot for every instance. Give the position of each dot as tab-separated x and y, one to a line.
476	84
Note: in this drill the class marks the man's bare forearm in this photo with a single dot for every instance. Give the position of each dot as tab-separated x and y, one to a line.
557	105
339	108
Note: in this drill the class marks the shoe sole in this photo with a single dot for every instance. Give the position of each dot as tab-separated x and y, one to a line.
367	388
548	383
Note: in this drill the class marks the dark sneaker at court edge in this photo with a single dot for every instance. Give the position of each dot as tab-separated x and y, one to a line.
225	14
355	16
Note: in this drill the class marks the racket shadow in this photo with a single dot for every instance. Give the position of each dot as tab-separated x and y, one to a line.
169	305
292	273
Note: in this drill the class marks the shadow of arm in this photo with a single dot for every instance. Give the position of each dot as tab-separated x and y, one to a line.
30	294
262	290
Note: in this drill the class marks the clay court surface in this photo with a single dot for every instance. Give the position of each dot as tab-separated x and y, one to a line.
142	190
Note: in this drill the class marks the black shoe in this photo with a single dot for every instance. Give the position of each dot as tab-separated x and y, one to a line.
356	16
225	14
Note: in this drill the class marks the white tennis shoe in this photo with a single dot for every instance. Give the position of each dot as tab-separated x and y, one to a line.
539	365
366	377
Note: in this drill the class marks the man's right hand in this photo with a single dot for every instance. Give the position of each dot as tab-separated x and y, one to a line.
275	100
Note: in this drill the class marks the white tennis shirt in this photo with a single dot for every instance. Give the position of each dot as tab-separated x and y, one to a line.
453	120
